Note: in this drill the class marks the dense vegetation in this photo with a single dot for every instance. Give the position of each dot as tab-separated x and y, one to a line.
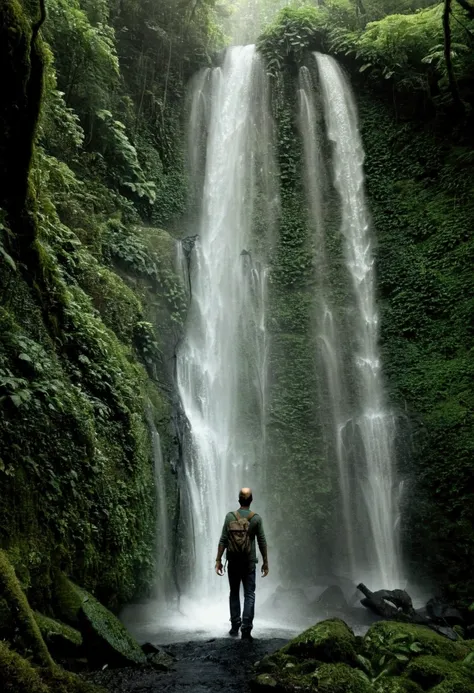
83	346
92	194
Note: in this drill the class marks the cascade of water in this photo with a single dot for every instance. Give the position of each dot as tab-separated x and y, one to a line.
221	363
163	535
374	553
199	108
330	356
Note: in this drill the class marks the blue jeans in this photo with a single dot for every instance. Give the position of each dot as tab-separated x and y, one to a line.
244	574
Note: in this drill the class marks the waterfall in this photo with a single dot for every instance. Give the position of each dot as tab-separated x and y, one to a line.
364	428
327	323
163	534
221	364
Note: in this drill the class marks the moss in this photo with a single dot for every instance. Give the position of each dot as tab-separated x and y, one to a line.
107	640
340	678
27	633
397	684
67	598
60	681
384	633
327	641
429	671
61	639
118	306
18	675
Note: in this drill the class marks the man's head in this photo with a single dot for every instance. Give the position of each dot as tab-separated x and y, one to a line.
245	497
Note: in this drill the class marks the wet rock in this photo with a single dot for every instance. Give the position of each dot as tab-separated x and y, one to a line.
444	613
263	683
149	649
332	599
288	600
107	641
161	661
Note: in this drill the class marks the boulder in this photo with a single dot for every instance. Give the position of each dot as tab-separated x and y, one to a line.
435	673
161	660
444	613
106	640
62	640
332	599
341	678
328	641
264	683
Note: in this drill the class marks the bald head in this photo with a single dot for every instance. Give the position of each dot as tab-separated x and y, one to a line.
245	497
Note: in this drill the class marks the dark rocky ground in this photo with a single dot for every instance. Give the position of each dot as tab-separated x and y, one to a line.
221	665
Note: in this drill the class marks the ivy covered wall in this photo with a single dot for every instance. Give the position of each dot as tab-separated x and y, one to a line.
90	306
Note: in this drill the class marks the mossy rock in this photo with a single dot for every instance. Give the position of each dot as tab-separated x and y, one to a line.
341	678
397	684
328	641
432	672
264	683
106	639
18	675
62	640
67	599
18	616
380	636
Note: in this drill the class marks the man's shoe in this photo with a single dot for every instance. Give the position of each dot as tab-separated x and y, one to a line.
234	632
246	635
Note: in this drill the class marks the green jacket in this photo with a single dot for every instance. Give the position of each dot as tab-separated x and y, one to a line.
255	531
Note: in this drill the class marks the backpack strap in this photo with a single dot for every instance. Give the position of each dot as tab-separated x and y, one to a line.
251	514
236	515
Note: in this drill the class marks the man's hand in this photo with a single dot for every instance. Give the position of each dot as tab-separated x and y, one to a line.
219	568
264	569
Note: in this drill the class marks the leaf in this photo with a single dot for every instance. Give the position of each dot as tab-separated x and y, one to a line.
401	657
25	357
17	401
363	68
416	647
8	258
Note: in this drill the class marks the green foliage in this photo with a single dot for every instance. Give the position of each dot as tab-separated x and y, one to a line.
122	158
420	190
405	48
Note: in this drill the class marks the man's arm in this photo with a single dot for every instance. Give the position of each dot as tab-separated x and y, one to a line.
223	542
262	545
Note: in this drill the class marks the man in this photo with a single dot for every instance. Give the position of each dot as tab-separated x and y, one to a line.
238	537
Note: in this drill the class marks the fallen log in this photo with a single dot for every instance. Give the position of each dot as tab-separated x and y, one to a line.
396	605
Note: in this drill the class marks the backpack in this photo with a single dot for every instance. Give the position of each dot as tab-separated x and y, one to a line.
240	543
